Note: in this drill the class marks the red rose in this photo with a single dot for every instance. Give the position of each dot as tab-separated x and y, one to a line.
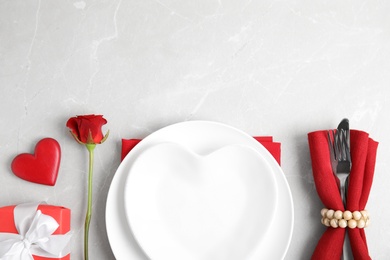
87	129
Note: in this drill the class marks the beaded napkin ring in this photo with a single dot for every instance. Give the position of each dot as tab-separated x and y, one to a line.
335	219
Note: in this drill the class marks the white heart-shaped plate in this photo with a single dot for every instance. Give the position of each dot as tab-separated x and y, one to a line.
182	205
201	137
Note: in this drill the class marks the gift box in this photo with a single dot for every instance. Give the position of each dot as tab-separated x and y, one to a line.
49	219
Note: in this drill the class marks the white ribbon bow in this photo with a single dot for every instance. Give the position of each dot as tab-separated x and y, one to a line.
34	236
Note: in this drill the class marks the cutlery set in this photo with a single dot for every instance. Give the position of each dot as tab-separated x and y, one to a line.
339	148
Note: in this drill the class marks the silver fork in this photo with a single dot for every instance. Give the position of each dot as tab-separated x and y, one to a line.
340	159
341	165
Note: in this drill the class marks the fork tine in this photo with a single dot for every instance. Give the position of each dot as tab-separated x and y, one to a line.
336	144
340	145
331	145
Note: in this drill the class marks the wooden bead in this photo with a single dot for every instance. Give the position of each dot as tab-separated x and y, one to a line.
361	223
347	215
329	213
357	215
352	223
364	214
343	223
338	214
334	223
323	212
326	222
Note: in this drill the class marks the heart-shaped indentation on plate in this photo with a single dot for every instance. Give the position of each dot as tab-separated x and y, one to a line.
42	166
181	205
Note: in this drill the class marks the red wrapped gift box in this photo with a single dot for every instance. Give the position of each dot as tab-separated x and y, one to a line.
60	214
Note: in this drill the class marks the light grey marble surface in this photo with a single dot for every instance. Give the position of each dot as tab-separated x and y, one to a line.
281	68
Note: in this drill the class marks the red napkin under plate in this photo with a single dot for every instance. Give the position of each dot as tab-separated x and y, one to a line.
267	141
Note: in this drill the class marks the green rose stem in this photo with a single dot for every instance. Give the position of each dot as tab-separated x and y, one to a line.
90	148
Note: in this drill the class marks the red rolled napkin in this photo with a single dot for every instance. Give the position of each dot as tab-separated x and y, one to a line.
363	156
266	141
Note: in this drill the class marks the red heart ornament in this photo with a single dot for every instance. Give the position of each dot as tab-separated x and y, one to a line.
42	166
